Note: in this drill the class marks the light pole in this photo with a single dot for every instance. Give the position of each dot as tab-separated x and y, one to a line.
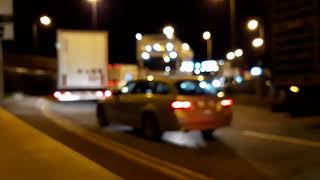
44	21
232	23
207	36
94	15
253	25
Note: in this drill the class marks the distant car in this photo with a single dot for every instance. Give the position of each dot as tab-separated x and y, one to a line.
158	105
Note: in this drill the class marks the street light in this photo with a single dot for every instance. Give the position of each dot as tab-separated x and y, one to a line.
231	56
207	36
139	36
253	25
94	16
168	31
45	21
238	52
258	42
185	47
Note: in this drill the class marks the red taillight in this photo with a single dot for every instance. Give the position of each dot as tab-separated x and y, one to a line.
107	93
57	94
227	102
181	105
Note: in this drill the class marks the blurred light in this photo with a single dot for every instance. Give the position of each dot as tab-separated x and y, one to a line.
258	42
148	48
168	31
198	65
167	68
169	46
181	104
221	62
203	84
139	36
294	89
185	46
157	47
45	20
173	55
187	66
227	102
145	56
206	35
256	71
200	78
239	79
99	94
107	93
125	90
231	56
197	71
220	94
150	78
268	83
238	52
166	58
92	1
216	83
209	66
253	24
57	94
68	93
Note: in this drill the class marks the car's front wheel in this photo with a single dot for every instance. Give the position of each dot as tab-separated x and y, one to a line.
102	116
150	128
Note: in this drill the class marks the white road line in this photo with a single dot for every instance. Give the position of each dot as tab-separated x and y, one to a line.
279	138
155	163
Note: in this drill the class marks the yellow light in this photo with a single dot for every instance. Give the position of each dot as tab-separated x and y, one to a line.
45	20
93	1
185	46
253	25
294	89
258	42
221	94
150	78
206	35
200	78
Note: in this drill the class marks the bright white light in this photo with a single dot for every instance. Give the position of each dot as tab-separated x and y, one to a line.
169	46
67	96
185	46
187	66
231	56
253	24
157	47
167	68
99	94
150	78
256	71
216	83
258	42
125	90
168	31
45	20
166	59
139	36
197	71
203	85
198	65
238	52
148	48
209	66
200	78
107	93
206	35
57	94
220	94
239	79
145	56
173	55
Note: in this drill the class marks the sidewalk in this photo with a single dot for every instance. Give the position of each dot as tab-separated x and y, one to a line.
28	154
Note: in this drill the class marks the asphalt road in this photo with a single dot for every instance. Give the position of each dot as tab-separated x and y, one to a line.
258	145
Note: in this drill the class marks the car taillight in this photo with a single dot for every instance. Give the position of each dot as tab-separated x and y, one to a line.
57	94
107	93
181	105
227	102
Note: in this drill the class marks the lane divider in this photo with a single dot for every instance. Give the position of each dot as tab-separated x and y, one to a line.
279	138
129	153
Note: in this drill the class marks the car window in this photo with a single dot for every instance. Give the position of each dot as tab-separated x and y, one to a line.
143	87
127	89
195	88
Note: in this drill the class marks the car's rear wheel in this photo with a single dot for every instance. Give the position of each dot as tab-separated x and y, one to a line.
207	134
102	116
150	128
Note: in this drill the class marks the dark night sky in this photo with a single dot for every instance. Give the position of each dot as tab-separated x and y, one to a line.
124	18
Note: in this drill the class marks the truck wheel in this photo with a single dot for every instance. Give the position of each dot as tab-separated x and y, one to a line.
150	128
207	134
102	116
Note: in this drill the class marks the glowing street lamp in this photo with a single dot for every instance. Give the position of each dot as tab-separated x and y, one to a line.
168	31
45	20
253	25
94	9
139	36
207	36
231	55
258	42
238	52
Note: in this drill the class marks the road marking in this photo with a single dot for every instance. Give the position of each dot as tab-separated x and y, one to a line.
279	138
155	163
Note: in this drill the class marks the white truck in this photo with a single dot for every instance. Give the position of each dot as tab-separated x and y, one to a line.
82	65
